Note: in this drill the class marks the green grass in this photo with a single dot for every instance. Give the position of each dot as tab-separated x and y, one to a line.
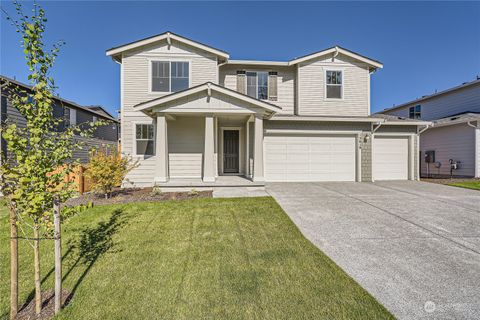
475	185
198	259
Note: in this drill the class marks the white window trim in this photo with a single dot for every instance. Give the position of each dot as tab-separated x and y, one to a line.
325	83
256	92
170	60
420	113
134	136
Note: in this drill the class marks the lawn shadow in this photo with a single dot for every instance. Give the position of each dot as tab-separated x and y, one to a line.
93	242
89	246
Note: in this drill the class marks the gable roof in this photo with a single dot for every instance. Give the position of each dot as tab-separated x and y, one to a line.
208	86
68	103
450	90
115	52
335	50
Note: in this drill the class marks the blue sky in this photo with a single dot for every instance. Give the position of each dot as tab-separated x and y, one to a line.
424	46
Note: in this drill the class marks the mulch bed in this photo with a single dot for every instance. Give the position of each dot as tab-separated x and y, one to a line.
136	195
48	306
448	180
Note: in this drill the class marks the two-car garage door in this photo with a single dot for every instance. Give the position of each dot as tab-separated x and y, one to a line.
324	157
310	157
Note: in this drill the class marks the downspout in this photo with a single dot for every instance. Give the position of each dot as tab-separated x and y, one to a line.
469	123
379	124
424	129
218	70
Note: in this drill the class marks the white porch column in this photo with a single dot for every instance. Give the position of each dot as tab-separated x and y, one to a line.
258	150
161	149
208	154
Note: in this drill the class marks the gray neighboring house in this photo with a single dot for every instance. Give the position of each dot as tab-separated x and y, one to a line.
71	112
455	133
190	113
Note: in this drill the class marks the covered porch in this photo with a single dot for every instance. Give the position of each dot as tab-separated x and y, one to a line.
208	136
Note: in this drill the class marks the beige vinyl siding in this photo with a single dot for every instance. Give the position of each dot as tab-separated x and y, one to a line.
459	101
452	142
285	83
311	88
136	89
185	147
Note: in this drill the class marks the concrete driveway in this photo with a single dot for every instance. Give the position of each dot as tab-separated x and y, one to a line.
415	246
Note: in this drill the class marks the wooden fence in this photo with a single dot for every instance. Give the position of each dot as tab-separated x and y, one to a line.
80	182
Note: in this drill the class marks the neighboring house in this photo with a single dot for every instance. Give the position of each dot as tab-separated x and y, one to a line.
455	133
72	113
190	112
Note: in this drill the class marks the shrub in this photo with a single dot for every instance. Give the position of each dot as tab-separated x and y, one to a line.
107	169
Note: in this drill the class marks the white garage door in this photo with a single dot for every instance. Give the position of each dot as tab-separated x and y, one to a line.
310	158
390	158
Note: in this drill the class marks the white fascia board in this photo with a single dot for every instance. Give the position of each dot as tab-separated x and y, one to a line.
328	119
339	50
115	51
207	86
407	123
258	63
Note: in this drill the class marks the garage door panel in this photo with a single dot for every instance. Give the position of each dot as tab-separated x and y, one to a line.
390	158
310	158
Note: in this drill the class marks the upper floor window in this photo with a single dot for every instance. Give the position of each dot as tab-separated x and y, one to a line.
259	85
334	83
170	76
415	112
144	139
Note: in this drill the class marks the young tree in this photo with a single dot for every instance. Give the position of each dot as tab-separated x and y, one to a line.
107	169
39	155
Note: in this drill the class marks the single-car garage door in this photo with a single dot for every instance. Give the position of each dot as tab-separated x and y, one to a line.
310	158
390	158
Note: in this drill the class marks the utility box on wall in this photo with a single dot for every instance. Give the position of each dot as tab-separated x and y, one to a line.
430	156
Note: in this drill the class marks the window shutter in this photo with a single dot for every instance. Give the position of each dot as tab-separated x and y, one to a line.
241	81
272	86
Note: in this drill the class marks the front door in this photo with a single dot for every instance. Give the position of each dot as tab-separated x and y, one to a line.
231	151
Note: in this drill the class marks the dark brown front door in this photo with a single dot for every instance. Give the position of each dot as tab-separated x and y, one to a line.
230	151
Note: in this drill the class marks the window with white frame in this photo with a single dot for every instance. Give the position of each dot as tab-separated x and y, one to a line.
144	141
415	112
170	76
334	83
257	85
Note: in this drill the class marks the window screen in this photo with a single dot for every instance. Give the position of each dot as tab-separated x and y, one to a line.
160	76
144	139
334	84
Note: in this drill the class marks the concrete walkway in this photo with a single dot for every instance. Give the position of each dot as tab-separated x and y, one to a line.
414	246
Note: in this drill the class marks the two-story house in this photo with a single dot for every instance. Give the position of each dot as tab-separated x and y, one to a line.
190	112
455	134
70	112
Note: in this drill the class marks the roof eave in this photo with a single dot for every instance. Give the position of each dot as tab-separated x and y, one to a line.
167	35
370	62
206	86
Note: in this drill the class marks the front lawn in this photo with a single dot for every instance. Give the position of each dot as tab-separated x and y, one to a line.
475	185
197	259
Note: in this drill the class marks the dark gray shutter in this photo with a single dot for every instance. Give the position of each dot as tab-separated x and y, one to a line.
241	81
272	86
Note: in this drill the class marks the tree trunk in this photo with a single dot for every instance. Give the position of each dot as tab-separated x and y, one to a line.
58	257
13	265
36	254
